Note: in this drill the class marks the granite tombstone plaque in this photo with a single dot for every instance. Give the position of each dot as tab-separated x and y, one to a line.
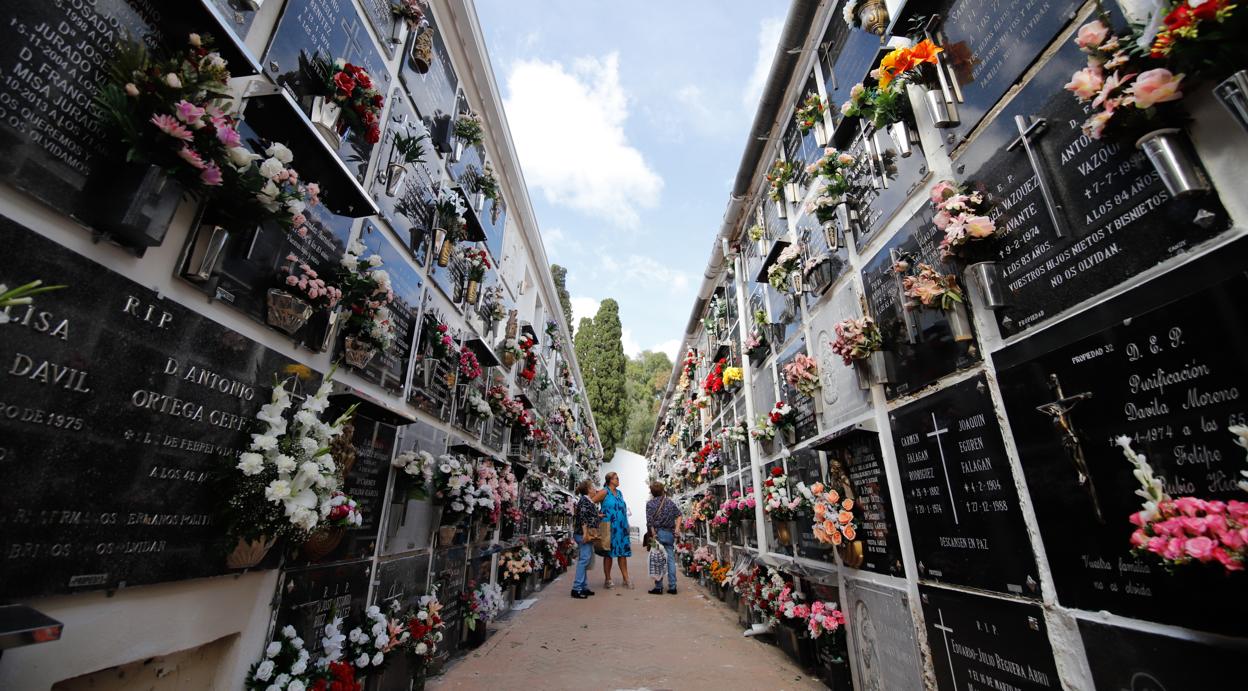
988	46
1164	366
313	597
384	23
403	188
400	581
886	655
388	368
805	417
1131	660
965	519
1108	218
919	339
843	400
883	180
449	570
856	470
832	263
847	56
238	15
118	408
982	642
366	481
331	30
433	91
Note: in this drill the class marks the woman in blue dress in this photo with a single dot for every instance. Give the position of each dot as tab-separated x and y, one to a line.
614	510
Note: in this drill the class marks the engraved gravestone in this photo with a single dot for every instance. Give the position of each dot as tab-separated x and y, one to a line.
1163	366
366	481
1142	661
404	189
856	470
883	179
886	653
432	90
842	398
1113	215
979	641
804	415
964	514
118	408
919	340
388	368
449	567
311	598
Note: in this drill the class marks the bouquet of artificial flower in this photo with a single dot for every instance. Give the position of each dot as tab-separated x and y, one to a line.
424	628
810	112
781	173
932	288
962	214
782	500
802	373
369	645
351	87
469	366
366	294
856	339
834	518
468	129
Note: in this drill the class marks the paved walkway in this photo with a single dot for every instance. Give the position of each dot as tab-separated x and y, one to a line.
623	639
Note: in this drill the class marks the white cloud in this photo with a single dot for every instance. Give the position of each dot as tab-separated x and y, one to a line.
639	268
768	39
558	245
568	125
583	307
631	347
668	347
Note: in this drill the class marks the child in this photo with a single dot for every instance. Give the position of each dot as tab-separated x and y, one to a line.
658	562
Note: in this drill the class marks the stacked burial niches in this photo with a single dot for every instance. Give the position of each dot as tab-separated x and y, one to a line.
124	393
993	545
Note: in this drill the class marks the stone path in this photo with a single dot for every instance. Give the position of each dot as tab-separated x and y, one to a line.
623	639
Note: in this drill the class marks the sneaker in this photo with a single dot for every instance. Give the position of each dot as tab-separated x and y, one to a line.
671	591
655	591
579	594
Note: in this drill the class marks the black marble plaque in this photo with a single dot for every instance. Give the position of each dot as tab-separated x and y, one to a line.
366	481
847	56
388	368
1115	215
982	642
919	339
237	14
989	45
383	21
856	470
1170	376
404	191
449	572
332	29
116	408
313	597
883	180
960	498
1125	659
815	243
804	416
433	92
401	580
886	654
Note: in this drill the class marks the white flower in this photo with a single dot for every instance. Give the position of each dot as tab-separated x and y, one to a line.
263	442
251	463
379	629
422	615
265	670
350	262
294	206
374	260
281	680
280	152
172	80
362	660
240	157
273	649
378	659
271	167
295	684
277	490
300	666
381	641
284	463
421	648
357	248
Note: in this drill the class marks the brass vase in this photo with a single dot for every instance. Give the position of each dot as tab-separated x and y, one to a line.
321	542
248	553
422	51
873	16
473	294
446	246
358	353
852	554
784	531
286	312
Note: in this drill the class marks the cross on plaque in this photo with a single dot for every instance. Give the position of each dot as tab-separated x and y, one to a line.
1059	410
351	47
944	634
937	430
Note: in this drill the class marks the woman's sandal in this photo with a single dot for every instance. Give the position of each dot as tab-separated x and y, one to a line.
609	584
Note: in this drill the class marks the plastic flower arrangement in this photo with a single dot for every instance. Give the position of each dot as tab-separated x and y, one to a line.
781	416
856	339
833	168
437	337
288	664
834	518
879	106
482	603
424	627
1200	34
702	559
468	129
962	215
781	173
714	381
1122	89
369	645
449	210
1180	531
343	512
515	564
476	404
810	112
476	261
756	233
802	373
453	487
719	572
733	376
308	285
469	366
911	64
735	434
351	87
366	295
288	474
783	500
931	288
824	618
786	263
410	11
763	430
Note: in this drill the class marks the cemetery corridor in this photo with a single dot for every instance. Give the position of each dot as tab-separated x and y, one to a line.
623	639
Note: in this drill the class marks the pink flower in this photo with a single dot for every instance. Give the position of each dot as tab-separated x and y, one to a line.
192	157
1111	84
292	280
298	219
1175	548
941	219
1156	86
1092	34
170	126
1200	548
210	175
313	189
1227	560
1139	539
1188	506
1085	83
228	136
943	189
979	226
1095	125
292	258
302	231
189	113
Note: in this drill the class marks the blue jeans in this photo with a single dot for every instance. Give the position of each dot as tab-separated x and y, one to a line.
582	564
668	539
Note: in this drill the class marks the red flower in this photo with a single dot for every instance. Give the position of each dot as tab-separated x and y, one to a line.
345	83
362	77
777	471
378	100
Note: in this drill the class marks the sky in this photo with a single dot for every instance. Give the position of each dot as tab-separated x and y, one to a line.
629	120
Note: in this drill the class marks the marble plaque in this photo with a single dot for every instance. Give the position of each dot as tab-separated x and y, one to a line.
805	417
963	510
918	339
1114	218
312	597
1164	367
117	409
433	92
449	571
883	180
404	191
1125	659
983	642
856	470
886	654
841	397
388	368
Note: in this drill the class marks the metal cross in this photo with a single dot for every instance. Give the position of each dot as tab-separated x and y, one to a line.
1028	128
937	430
1059	410
944	634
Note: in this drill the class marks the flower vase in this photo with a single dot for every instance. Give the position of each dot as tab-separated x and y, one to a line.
333	320
285	311
509	359
133	204
421	56
959	322
789	432
776	335
358	353
472	295
784	531
248	553
872	370
326	116
1232	93
1171	154
821	134
903	137
457	152
852	554
398	31
873	16
444	246
446	534
792	192
943	111
321	542
396	175
478	202
782	212
477	635
206	253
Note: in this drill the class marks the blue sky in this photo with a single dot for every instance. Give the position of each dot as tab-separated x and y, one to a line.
629	120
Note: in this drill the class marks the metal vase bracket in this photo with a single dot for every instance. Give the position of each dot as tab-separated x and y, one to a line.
876	368
1170	152
357	353
959	322
134	204
396	174
206	253
942	109
444	246
792	192
991	293
821	133
904	137
1232	93
286	312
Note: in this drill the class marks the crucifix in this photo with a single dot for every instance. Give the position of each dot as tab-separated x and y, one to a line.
944	634
1059	410
937	430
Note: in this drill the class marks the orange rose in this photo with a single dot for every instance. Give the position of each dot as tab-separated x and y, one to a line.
836	538
829	527
833	496
848	504
845	517
850	533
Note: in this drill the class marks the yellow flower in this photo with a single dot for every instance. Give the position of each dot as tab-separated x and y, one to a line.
301	371
732	375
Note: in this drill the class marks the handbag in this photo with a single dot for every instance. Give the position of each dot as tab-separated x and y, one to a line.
603	544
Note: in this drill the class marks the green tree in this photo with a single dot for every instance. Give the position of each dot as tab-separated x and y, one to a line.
600	352
645	381
560	275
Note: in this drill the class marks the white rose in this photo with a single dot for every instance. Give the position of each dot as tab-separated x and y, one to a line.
280	152
374	260
251	463
265	670
299	667
381	641
378	659
362	660
421	648
350	262
240	157
273	649
422	615
271	167
289	632
172	80
281	681
378	629
296	685
294	206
